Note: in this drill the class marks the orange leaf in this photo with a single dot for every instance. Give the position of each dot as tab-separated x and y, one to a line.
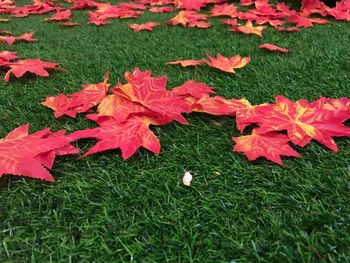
227	64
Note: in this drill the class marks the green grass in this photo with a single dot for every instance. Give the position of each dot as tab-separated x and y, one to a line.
104	209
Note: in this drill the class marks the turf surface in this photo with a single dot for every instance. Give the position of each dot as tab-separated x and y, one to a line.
104	209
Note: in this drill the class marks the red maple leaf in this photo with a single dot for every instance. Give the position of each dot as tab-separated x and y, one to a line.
8	39
199	24
28	37
304	121
230	22
6	57
132	5
48	158
106	10
25	154
190	4
186	18
120	107
60	16
151	93
97	19
270	145
35	66
335	104
226	64
302	21
276	23
129	135
82	101
193	88
224	10
83	4
341	11
272	47
309	7
212	105
146	26
248	28
247	114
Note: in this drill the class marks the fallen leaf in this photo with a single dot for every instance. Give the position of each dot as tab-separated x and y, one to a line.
270	145
304	121
146	26
186	63
248	28
226	64
272	47
60	16
229	10
82	101
129	135
35	66
22	153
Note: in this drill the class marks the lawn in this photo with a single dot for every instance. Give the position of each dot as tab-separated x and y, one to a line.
104	209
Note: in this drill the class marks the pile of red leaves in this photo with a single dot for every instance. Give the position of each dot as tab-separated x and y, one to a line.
124	113
260	12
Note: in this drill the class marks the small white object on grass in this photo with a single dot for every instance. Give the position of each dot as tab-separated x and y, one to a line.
186	180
